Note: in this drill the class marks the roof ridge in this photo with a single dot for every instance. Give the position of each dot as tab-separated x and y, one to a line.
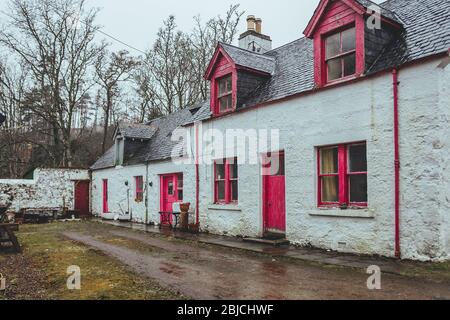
247	51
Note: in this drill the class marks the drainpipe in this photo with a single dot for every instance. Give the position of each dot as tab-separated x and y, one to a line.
197	176
146	193
397	164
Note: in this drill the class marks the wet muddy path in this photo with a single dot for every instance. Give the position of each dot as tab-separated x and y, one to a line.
204	272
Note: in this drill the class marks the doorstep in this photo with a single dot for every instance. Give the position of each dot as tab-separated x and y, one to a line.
275	243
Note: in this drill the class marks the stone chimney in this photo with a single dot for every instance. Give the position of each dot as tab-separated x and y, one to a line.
253	39
258	23
251	23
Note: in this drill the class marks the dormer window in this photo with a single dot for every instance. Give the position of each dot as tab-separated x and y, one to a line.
225	94
345	44
340	54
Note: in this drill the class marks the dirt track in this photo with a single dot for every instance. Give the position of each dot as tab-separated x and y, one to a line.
217	273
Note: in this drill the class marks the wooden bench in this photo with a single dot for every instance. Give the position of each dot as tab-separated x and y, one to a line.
7	236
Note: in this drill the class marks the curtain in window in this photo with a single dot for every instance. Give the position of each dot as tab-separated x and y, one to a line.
330	187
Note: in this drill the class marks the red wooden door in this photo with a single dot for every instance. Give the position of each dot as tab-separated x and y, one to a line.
82	198
274	194
105	196
168	193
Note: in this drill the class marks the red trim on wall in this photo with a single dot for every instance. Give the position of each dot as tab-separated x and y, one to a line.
398	253
197	175
105	196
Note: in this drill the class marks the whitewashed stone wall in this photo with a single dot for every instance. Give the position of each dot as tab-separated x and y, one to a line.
362	111
119	194
50	188
118	191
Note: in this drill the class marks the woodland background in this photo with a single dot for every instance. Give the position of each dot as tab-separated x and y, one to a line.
63	90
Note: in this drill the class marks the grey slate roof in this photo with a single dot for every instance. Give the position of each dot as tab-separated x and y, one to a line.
159	147
426	31
136	131
106	161
250	59
203	113
384	11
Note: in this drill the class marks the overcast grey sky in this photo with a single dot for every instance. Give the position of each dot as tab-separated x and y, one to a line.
136	22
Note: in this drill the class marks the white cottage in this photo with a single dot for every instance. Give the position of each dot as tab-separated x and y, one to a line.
339	140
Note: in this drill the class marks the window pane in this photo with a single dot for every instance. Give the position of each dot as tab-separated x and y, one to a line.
330	189
170	191
329	161
358	158
334	69
349	65
226	103
180	181
348	40
358	188
180	195
229	84
234	191
225	85
221	190
333	45
234	170
220	171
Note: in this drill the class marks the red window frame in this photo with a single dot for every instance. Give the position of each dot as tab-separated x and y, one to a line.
228	179
228	77
139	183
341	56
344	176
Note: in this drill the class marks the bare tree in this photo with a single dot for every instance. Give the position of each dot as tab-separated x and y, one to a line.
172	75
205	38
111	70
55	41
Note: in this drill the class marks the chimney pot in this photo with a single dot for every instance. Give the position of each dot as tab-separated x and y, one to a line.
258	23
251	23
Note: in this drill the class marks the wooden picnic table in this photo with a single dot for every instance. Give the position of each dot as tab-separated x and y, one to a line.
7	230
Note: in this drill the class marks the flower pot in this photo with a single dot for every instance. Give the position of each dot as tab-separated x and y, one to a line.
184	207
194	228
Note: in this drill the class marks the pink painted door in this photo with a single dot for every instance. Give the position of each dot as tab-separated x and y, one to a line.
168	192
82	198
274	194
